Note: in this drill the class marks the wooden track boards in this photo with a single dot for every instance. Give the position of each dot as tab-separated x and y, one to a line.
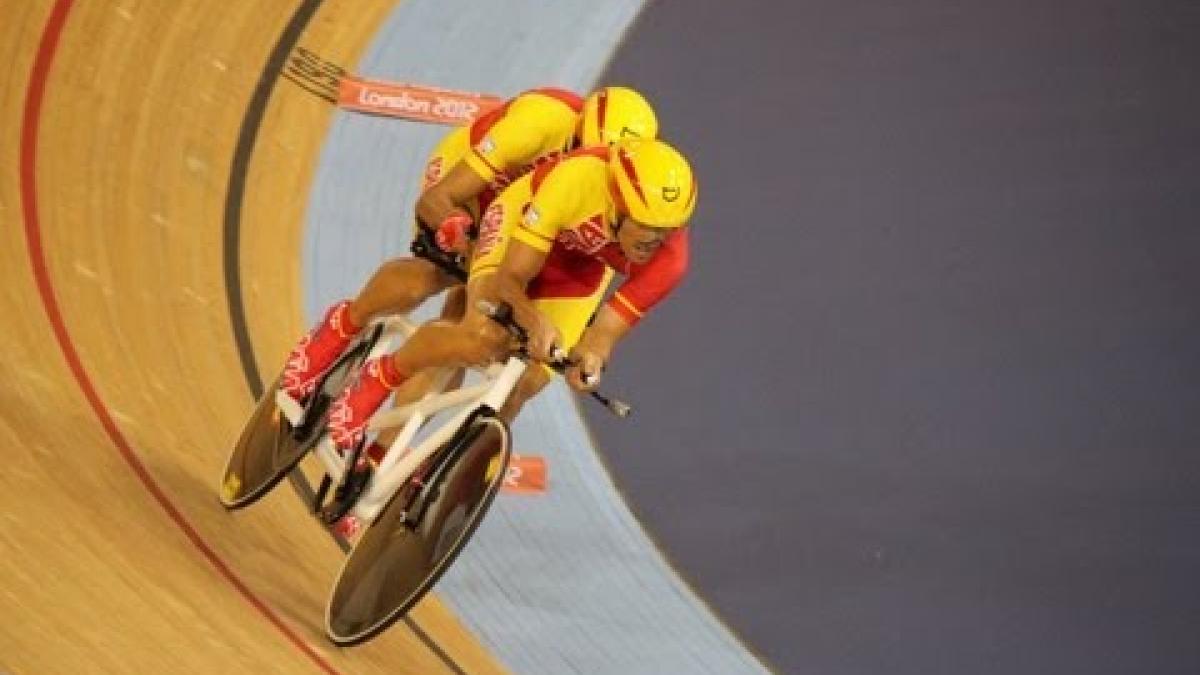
142	110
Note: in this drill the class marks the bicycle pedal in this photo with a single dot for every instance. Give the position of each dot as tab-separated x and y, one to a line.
353	485
312	411
319	497
331	513
354	482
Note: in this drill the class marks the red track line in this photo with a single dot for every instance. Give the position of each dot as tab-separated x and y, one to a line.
29	135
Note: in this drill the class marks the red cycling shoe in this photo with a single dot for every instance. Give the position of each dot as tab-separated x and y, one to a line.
351	410
317	351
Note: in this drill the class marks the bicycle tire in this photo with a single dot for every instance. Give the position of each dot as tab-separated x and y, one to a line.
266	450
394	564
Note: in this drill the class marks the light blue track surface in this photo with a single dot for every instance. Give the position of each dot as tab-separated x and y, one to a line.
567	581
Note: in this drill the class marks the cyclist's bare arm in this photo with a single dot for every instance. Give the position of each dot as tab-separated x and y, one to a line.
457	189
521	265
595	348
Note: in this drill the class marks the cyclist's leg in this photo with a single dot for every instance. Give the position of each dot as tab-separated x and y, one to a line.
476	340
417	385
532	383
452	312
398	286
456	303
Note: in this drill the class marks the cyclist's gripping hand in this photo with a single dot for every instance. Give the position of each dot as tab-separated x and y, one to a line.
584	373
453	233
544	339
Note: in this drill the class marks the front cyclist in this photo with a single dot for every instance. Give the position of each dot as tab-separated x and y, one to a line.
465	172
548	245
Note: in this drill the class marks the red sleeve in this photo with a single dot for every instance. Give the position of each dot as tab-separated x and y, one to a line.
648	284
480	126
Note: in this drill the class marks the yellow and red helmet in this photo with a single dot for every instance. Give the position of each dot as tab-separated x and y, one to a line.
655	182
612	114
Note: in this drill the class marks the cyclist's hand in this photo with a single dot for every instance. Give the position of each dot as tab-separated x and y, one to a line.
452	234
544	339
584	375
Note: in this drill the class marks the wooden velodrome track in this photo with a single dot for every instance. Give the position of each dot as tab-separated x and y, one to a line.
158	167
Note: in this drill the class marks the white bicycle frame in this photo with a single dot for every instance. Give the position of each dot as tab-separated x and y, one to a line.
399	464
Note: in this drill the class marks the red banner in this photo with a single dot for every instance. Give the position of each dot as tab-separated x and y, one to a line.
413	101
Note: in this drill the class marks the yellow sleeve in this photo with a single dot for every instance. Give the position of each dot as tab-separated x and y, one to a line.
545	217
568	195
532	126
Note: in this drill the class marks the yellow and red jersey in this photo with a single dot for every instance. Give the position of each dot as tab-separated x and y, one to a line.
508	141
570	215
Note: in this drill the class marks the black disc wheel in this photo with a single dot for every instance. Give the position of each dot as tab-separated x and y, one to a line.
416	537
264	454
270	447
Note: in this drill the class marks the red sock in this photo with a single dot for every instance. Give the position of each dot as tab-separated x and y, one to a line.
318	350
383	379
355	405
389	375
340	322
